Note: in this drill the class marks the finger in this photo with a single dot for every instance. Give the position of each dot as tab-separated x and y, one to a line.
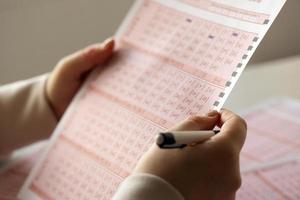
99	53
195	123
83	61
233	129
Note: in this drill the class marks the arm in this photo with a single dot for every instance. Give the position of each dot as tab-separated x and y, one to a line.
29	110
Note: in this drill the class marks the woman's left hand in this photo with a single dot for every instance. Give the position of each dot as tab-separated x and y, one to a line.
69	74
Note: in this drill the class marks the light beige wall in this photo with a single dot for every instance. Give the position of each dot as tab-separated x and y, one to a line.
35	34
283	39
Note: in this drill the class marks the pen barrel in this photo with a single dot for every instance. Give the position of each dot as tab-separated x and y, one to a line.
189	137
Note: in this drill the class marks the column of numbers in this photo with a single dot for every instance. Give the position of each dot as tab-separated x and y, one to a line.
112	135
67	174
157	87
213	49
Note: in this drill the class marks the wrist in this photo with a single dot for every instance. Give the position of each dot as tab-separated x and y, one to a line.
146	186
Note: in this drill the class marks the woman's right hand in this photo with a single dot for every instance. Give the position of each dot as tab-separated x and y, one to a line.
209	170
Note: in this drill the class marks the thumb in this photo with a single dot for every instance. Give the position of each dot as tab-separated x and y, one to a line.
81	62
195	123
233	129
68	75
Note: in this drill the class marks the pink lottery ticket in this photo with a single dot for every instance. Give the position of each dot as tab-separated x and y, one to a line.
172	61
281	182
273	133
13	176
232	11
270	160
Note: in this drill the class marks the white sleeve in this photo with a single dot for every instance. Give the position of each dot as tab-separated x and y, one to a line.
25	115
146	187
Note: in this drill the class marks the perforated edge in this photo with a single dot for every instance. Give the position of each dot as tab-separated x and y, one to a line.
236	72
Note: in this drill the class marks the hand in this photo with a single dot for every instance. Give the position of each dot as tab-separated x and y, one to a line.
209	170
70	73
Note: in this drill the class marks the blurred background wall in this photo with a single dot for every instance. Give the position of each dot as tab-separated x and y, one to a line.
35	34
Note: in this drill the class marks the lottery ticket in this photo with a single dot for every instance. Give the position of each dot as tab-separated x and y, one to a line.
270	159
173	59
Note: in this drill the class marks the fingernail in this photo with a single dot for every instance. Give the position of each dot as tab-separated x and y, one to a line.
107	42
212	113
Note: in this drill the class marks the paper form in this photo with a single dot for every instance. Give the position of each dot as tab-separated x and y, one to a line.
173	60
270	159
281	182
13	175
245	11
273	133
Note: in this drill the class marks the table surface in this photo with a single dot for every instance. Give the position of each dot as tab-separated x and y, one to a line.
261	82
